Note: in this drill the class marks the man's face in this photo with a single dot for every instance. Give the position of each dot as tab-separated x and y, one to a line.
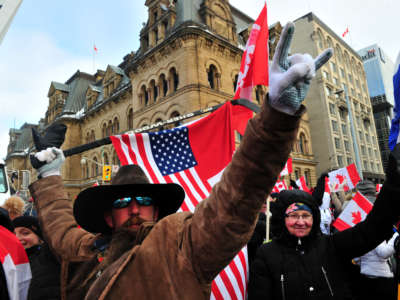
134	213
299	223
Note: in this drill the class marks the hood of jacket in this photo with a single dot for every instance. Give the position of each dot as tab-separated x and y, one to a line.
278	209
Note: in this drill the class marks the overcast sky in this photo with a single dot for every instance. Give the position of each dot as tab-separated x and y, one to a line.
50	39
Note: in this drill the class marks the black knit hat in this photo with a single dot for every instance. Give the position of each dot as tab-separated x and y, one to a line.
29	222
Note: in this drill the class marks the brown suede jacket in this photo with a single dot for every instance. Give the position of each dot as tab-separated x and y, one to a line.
180	256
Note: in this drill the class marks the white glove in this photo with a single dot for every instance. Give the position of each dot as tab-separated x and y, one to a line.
54	159
289	77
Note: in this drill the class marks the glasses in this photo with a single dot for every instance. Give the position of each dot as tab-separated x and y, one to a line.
296	217
124	202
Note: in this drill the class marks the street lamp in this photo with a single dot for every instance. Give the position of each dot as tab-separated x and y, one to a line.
353	131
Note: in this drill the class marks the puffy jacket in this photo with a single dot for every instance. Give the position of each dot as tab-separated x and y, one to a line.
317	266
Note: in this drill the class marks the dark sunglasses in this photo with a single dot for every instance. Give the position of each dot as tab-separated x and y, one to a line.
124	202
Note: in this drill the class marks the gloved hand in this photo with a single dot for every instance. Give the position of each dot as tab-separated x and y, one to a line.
53	159
289	77
393	167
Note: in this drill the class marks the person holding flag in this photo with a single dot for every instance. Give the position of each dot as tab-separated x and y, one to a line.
133	245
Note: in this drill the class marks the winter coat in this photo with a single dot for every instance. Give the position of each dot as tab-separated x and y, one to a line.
375	262
181	254
319	267
45	282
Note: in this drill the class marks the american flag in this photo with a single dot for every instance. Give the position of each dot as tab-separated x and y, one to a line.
193	156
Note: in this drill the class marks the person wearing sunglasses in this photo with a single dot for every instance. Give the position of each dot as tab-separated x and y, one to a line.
133	245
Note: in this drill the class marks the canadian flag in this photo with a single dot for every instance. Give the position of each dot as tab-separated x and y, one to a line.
288	169
355	212
345	32
254	66
348	174
15	264
280	185
326	198
378	188
301	183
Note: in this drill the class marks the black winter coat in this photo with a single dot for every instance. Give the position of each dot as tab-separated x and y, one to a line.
318	268
45	282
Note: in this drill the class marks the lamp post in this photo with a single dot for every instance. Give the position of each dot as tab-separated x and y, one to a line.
353	131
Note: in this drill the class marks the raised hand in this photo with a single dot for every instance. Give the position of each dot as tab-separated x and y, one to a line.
290	76
52	160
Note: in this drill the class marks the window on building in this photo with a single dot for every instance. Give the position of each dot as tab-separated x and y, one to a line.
130	118
105	158
174	79
336	81
349	160
337	143
212	76
357	83
363	152
92	136
370	152
350	78
344	86
104	130
344	129
326	75
347	145
174	115
320	40
303	144
340	161
297	173
334	126
115	127
342	73
328	91
235	82
353	93
307	176
367	138
332	109
342	114
333	67
365	165
164	85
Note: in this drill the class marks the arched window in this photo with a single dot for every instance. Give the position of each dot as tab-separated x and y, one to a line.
338	53
115	128
109	128
130	118
92	136
235	83
115	160
174	115
212	76
144	95
174	79
320	39
104	130
303	147
88	137
95	167
163	85
105	157
329	42
154	90
159	128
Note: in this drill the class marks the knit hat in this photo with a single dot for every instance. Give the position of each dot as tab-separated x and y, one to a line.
29	222
297	206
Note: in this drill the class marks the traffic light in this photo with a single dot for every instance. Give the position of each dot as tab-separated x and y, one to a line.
106	173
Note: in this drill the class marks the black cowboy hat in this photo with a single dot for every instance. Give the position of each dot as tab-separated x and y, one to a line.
130	180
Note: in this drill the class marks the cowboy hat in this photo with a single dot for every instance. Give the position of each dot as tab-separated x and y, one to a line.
130	180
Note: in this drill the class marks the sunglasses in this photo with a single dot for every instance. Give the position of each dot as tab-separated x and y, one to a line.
124	202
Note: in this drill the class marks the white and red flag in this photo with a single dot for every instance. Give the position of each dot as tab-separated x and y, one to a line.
348	174
280	185
355	212
15	264
326	198
302	184
345	32
194	156
378	188
288	169
254	66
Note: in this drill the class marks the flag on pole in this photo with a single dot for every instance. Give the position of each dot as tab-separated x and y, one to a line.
288	169
378	188
95	48
355	212
348	174
193	156
394	137
254	66
280	185
15	265
302	184
345	32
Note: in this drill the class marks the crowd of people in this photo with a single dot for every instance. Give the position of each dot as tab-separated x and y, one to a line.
127	240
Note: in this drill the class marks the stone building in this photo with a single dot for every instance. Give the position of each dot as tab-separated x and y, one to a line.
327	110
189	59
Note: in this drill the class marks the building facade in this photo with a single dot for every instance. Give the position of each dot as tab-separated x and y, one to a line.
379	69
189	59
333	144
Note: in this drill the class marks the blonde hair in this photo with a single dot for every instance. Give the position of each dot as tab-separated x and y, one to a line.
15	206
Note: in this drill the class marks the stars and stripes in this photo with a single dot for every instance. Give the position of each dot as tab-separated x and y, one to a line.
394	137
193	156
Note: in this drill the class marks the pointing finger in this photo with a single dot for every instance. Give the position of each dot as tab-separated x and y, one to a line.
323	58
282	49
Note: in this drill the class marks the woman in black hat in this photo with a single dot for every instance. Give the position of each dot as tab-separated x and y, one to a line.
45	282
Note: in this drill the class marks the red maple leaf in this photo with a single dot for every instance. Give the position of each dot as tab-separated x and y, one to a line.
356	217
340	178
